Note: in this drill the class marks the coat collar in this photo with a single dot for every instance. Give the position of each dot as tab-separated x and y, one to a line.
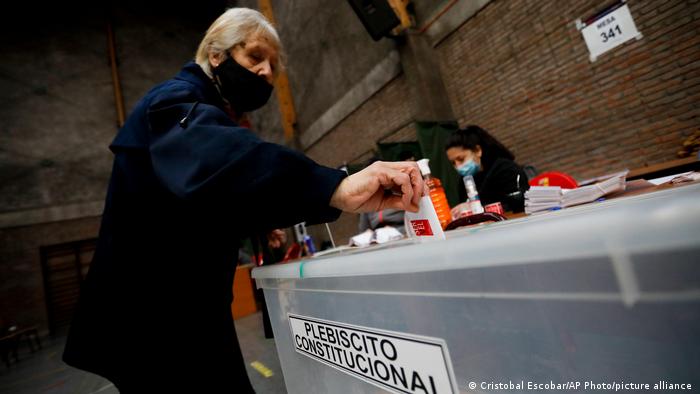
133	134
194	74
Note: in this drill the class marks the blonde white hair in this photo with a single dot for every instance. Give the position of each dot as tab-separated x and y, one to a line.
234	27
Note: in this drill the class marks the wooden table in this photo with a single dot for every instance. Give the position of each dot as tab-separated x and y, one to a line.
664	169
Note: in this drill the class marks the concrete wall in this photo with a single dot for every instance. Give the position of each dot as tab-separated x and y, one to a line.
58	118
328	52
57	98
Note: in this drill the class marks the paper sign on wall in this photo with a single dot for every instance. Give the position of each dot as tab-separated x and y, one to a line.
610	30
397	362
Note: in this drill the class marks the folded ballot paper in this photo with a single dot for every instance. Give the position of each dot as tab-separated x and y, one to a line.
381	235
543	198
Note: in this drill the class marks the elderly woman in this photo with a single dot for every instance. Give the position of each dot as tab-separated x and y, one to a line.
187	184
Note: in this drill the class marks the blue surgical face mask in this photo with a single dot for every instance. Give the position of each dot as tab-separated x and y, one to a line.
468	168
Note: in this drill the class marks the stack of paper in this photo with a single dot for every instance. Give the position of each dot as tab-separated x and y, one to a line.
603	177
595	191
542	198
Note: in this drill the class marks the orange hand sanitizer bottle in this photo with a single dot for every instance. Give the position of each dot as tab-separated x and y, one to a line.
437	194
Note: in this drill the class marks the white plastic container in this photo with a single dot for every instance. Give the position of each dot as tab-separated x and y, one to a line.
597	294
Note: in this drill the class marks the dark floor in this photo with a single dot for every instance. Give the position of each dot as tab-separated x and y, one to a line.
44	372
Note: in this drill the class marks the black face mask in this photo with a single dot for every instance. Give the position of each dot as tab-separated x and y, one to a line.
243	89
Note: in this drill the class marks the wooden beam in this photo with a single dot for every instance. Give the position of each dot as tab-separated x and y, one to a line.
118	98
399	7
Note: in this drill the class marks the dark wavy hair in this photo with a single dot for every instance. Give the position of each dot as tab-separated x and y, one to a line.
472	136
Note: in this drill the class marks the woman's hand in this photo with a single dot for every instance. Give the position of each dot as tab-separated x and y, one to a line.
382	185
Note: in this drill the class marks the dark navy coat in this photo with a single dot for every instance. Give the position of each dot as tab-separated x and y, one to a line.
187	184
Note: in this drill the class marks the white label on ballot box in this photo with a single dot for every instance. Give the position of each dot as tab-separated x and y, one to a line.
397	362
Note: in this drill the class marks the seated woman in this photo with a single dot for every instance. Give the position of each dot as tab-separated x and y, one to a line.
473	151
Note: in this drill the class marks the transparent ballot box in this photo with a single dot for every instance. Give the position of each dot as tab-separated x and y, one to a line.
607	293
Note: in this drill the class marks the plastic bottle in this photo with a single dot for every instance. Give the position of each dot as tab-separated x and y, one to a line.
473	195
437	194
304	239
309	245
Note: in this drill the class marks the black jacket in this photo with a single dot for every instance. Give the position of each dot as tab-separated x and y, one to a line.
498	182
186	185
